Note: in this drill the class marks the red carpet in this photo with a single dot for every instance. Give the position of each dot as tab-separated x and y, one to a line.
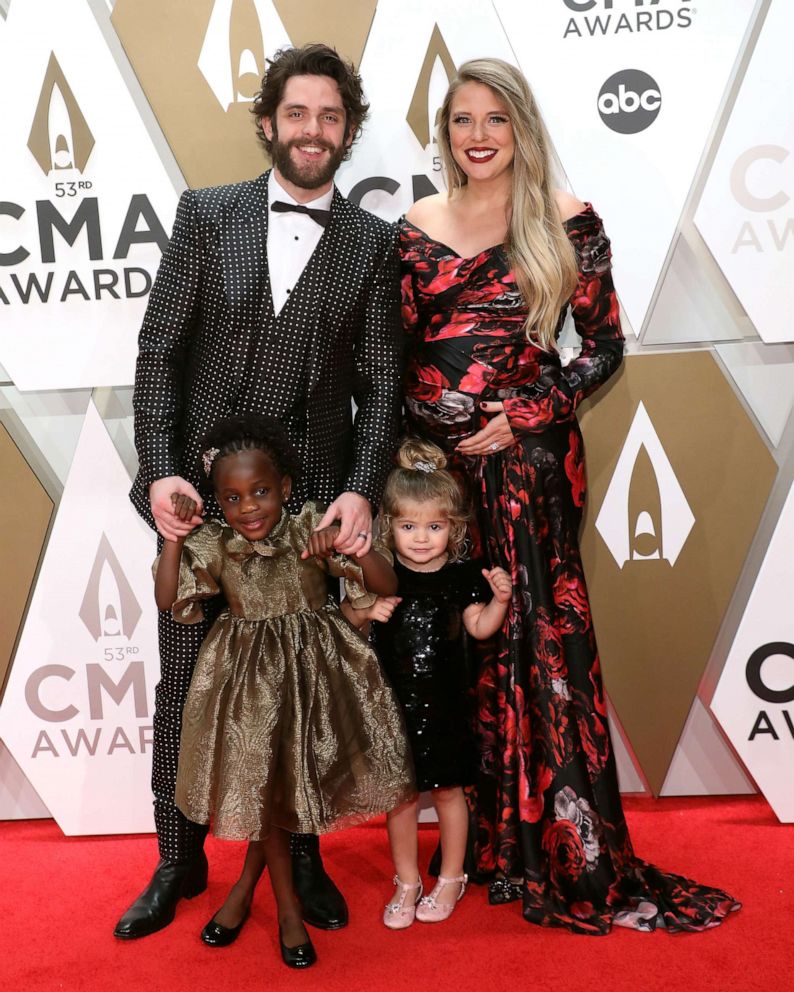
61	897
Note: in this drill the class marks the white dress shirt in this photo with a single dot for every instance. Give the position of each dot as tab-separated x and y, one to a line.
291	239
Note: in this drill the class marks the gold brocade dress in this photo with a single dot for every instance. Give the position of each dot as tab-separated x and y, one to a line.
288	720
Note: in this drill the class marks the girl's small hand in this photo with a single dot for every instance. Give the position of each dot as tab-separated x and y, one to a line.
500	583
383	608
321	543
184	507
494	437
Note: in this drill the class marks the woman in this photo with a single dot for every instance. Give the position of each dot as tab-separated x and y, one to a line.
489	269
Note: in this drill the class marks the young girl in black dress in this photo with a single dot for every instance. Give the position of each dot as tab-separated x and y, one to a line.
418	635
289	725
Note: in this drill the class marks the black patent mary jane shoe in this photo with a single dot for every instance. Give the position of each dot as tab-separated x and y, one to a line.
217	935
155	907
302	956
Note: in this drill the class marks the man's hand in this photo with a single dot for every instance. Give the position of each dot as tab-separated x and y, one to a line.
164	495
354	514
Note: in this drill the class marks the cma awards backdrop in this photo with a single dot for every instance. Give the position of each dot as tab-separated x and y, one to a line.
672	116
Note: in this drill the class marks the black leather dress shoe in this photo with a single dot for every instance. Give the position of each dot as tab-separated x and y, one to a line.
156	905
217	935
322	904
302	956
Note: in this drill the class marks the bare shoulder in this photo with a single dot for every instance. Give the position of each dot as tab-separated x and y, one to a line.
567	204
429	210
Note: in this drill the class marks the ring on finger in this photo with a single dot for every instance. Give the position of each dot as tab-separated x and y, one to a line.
494	446
364	534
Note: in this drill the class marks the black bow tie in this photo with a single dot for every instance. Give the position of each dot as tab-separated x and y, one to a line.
321	216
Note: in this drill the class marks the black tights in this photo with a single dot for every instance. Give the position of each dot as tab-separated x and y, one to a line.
274	852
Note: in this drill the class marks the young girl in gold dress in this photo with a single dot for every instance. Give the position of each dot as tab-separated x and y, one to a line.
289	725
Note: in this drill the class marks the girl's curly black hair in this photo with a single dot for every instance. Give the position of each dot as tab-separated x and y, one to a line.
247	432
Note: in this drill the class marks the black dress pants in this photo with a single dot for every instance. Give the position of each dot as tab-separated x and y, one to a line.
179	839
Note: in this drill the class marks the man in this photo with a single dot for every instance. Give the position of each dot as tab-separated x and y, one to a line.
275	296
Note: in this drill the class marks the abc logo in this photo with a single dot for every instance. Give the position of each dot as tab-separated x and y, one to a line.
629	101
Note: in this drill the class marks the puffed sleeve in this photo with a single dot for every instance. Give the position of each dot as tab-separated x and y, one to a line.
304	522
338	565
555	395
199	572
347	569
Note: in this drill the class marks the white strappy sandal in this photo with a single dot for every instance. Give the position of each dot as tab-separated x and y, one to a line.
397	915
430	910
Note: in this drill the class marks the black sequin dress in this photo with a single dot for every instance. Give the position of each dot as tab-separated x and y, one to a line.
423	651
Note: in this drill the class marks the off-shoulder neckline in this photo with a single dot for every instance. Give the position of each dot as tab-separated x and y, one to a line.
588	211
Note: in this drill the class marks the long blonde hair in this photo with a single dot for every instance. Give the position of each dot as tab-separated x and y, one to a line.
537	245
421	476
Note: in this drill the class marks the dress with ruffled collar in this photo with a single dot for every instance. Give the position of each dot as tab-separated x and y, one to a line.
289	720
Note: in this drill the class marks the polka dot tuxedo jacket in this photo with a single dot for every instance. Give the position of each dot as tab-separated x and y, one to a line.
210	345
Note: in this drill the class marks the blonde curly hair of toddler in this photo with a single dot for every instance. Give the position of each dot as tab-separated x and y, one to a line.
422	477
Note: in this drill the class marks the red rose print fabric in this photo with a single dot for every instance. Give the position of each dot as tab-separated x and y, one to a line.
547	804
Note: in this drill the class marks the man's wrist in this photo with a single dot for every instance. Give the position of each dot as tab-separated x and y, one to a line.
355	492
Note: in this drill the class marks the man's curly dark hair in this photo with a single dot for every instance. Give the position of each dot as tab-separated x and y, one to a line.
252	431
310	60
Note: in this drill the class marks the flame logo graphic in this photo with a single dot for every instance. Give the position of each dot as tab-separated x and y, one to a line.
645	514
109	607
232	57
437	72
60	138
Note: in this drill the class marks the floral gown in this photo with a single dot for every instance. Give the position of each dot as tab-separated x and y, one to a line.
547	803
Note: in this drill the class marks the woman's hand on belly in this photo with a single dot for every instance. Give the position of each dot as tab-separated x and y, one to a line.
494	437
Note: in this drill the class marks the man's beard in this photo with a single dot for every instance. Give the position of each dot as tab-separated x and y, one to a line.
310	175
